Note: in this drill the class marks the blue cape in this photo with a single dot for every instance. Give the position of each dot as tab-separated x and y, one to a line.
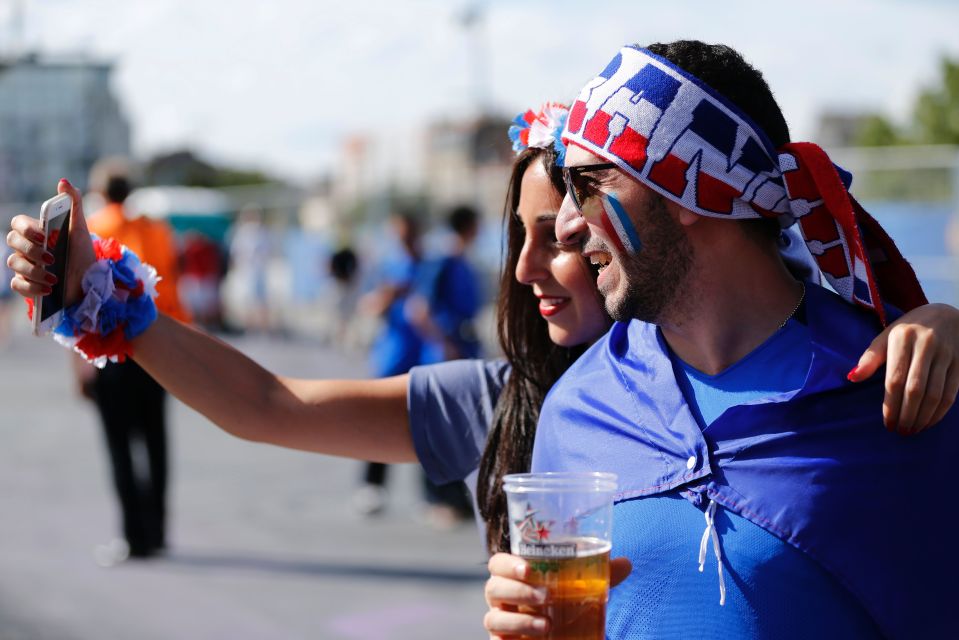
815	467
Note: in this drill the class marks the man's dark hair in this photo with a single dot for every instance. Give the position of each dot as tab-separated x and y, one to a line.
728	73
117	189
463	220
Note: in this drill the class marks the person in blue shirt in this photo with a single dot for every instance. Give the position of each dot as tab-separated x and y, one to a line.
399	345
445	304
720	397
449	295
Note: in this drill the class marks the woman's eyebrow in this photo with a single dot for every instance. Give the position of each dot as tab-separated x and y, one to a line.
546	217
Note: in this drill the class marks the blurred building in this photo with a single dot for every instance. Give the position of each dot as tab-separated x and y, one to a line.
374	174
355	175
56	119
835	130
181	167
468	162
448	163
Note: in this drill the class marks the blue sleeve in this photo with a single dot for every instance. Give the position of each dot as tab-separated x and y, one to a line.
451	408
395	271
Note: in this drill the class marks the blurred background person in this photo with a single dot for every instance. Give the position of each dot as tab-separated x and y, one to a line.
448	297
399	346
131	404
201	270
6	296
343	269
251	247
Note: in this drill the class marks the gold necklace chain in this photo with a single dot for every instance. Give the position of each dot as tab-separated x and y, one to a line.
802	297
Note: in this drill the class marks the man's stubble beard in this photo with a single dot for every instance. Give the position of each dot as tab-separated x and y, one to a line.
653	278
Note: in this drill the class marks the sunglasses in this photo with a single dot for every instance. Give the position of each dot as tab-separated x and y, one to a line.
576	186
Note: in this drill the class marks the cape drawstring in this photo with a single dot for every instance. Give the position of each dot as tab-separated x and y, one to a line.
711	532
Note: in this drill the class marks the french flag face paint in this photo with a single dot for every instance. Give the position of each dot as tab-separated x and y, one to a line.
608	213
625	229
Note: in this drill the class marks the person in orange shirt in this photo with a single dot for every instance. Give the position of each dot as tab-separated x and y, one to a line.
130	402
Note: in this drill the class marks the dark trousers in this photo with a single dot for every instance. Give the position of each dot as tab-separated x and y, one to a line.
132	410
454	495
375	474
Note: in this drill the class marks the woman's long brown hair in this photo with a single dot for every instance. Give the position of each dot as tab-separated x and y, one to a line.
536	362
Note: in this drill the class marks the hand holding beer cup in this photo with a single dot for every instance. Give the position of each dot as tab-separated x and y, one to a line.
507	590
555	584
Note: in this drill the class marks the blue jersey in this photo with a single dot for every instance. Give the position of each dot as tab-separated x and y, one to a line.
768	589
398	347
451	289
779	365
813	467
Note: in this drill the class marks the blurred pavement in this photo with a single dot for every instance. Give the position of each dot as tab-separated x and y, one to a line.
263	541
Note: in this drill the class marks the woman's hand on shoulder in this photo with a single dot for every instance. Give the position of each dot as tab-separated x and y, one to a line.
921	354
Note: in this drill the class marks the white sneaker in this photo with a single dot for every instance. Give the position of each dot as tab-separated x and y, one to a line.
370	500
112	553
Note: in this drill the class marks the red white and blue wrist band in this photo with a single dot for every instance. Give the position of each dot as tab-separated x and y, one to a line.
117	305
676	135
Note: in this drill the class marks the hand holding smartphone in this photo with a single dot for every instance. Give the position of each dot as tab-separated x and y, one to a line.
55	224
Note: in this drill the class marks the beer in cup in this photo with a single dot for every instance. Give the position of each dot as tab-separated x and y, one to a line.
561	524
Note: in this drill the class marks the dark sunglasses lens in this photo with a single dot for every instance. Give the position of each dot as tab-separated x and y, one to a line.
571	188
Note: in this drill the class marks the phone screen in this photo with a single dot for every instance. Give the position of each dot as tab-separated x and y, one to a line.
58	239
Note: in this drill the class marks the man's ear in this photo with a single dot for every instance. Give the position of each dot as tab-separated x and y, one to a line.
687	217
680	214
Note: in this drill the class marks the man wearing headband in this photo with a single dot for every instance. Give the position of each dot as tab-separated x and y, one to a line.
720	396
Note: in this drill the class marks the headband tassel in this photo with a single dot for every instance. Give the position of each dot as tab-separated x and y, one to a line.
854	253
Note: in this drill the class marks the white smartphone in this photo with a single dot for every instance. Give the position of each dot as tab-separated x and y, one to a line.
55	223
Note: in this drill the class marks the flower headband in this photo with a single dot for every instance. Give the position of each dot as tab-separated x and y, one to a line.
541	130
676	135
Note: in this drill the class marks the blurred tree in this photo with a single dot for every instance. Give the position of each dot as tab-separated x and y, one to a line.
936	113
877	131
935	120
935	116
230	177
186	169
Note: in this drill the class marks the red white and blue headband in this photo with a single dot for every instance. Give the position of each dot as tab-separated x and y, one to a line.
677	136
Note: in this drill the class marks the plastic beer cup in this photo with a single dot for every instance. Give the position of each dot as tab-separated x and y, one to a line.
561	524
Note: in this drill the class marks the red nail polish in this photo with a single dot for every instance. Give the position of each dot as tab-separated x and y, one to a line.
852	374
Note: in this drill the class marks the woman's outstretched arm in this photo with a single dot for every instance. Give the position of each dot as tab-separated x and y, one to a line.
365	419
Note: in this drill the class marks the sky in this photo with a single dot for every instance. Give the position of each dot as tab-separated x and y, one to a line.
278	85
